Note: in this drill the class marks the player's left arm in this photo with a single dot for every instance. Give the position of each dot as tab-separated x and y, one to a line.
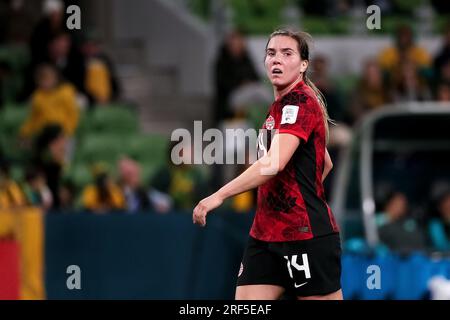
327	166
282	148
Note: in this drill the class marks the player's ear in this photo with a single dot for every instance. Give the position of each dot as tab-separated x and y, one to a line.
303	66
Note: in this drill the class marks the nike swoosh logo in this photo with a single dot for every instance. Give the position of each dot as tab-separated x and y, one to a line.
298	286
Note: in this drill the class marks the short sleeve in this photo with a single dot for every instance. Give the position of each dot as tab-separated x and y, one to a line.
299	115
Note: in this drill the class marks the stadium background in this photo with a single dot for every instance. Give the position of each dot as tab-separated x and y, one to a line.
97	190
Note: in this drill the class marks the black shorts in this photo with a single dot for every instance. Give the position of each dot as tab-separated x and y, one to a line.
304	268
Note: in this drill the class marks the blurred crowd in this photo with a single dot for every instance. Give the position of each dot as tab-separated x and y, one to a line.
68	74
63	74
403	72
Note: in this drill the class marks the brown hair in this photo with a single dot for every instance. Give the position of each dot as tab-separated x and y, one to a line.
303	40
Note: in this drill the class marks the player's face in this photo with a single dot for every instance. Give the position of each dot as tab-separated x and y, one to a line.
283	63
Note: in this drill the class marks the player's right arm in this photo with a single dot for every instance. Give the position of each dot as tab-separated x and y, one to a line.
258	173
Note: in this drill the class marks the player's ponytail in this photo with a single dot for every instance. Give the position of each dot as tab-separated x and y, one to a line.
322	103
303	39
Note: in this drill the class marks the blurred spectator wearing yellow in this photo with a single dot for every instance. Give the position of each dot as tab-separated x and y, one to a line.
130	182
52	103
101	84
104	195
11	195
404	49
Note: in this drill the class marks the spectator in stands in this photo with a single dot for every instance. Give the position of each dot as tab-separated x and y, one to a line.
321	78
17	23
370	93
67	193
36	189
11	195
49	157
67	59
101	83
442	79
104	195
181	185
340	135
443	92
407	84
51	24
396	229
54	102
130	182
439	225
443	56
404	49
233	68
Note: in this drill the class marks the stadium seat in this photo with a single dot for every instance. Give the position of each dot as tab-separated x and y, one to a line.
411	277
346	84
148	148
440	267
11	118
110	119
105	148
81	175
354	277
314	24
261	18
148	172
16	56
388	266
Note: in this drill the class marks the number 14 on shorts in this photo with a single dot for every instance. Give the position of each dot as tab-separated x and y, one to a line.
293	261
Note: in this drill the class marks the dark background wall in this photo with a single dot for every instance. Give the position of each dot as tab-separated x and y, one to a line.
145	256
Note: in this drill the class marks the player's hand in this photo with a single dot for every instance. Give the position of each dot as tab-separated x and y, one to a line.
204	206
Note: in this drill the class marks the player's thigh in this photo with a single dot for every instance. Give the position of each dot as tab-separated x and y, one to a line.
314	267
259	292
263	273
332	296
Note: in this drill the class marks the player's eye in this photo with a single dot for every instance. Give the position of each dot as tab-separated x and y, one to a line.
270	53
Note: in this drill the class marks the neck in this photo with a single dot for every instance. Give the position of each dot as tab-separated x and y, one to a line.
279	92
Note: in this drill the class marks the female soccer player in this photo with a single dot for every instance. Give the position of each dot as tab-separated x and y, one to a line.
294	242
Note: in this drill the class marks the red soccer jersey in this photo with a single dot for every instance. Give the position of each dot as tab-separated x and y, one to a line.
292	205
